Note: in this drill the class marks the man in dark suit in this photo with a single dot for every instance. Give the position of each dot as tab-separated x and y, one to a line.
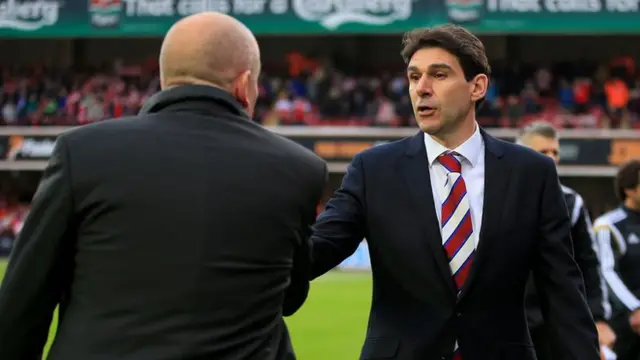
543	138
455	220
181	233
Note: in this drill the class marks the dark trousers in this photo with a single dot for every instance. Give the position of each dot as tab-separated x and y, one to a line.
627	345
540	338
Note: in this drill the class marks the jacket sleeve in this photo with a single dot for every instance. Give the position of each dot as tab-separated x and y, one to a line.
586	257
40	264
611	247
341	226
298	289
558	278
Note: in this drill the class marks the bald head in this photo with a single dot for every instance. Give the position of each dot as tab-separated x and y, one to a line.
208	48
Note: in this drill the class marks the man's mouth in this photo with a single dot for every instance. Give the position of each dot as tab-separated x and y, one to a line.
425	110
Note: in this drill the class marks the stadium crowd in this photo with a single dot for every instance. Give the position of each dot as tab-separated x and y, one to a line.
16	192
567	95
12	216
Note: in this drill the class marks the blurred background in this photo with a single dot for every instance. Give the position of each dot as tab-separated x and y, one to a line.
333	80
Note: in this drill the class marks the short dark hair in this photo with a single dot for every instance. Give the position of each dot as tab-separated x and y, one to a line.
455	39
627	178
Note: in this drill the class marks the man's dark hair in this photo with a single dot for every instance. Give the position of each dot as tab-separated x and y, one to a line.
455	39
627	178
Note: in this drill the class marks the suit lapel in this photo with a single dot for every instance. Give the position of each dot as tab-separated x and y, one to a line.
415	169
496	182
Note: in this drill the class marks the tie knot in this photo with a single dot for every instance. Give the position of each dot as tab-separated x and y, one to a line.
449	161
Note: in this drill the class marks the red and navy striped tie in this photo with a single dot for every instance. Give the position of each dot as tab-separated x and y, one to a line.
457	229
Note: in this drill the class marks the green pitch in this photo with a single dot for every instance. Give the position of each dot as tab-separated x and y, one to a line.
333	321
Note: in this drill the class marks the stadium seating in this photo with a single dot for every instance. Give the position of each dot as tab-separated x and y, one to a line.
326	97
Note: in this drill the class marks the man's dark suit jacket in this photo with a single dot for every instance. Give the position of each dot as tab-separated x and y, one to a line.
386	198
586	258
169	235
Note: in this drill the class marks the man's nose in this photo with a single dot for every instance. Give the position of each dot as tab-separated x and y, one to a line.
424	87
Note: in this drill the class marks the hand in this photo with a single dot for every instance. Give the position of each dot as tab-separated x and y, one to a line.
634	320
606	336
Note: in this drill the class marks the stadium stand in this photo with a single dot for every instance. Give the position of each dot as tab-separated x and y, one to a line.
569	95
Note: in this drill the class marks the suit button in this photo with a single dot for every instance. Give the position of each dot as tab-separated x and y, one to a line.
459	314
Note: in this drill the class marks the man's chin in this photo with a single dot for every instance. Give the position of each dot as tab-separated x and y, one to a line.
431	129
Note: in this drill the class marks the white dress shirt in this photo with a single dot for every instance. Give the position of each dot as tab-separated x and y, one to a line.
472	152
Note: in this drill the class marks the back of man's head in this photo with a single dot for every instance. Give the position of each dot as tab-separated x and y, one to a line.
214	49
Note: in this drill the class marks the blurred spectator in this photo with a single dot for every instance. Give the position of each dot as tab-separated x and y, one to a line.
385	112
566	95
531	98
283	107
634	101
543	80
582	95
513	110
12	216
617	95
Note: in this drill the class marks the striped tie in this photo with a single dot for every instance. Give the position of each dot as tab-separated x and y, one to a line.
457	228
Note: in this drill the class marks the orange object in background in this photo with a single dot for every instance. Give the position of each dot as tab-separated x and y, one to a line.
299	63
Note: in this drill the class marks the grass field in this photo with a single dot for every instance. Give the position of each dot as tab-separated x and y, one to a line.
332	323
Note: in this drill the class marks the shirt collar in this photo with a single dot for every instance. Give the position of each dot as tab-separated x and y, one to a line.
469	150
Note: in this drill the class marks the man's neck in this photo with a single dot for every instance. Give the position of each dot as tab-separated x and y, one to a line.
189	80
459	136
630	204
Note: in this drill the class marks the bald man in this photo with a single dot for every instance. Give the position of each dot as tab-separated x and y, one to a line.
180	233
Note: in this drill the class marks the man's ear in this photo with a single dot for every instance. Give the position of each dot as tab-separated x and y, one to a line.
479	85
241	88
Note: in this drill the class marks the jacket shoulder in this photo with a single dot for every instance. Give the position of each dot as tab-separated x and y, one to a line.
387	150
569	191
610	219
295	150
523	157
103	128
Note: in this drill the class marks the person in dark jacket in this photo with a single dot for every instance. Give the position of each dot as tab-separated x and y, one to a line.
455	221
180	233
617	233
541	136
